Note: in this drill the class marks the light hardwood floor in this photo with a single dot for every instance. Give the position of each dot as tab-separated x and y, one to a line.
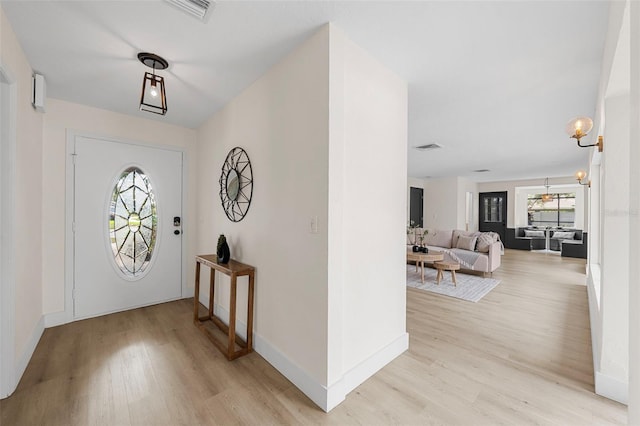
522	355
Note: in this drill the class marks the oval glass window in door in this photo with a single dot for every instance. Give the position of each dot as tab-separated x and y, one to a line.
133	222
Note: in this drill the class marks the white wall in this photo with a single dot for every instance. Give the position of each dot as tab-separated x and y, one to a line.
62	117
634	219
28	201
317	136
445	202
464	186
282	121
614	359
611	263
369	144
441	204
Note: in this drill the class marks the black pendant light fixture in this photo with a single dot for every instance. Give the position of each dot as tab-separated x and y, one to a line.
153	98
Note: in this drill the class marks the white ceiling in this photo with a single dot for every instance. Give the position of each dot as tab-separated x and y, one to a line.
494	83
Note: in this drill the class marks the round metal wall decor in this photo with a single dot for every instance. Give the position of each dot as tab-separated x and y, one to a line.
236	184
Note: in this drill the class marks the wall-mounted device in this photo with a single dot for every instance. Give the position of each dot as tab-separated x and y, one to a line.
39	92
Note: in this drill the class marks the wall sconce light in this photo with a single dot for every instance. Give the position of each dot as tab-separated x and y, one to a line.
153	98
579	127
546	197
580	175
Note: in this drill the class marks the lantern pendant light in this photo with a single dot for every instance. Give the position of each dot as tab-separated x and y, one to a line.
153	98
547	197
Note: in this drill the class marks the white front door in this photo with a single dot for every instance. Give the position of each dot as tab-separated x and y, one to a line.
128	235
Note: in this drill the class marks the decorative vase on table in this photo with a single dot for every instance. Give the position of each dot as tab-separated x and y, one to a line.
416	249
223	250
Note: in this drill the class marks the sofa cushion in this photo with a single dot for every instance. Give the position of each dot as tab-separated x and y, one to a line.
439	238
467	242
530	233
485	239
563	235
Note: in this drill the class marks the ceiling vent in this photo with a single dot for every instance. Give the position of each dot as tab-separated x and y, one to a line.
429	146
481	171
198	8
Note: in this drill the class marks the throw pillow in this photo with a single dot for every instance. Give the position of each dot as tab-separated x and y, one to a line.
485	239
467	243
457	233
537	234
563	235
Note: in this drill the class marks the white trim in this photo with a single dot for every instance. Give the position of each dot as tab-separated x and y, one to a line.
594	315
25	356
605	385
69	240
8	377
612	388
68	314
55	319
337	392
296	375
324	397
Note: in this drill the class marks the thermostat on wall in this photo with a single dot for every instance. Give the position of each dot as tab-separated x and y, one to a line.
39	92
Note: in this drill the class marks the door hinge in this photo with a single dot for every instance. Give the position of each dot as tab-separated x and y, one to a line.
74	293
73	158
73	227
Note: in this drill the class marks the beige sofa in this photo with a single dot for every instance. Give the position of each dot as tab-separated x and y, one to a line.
474	251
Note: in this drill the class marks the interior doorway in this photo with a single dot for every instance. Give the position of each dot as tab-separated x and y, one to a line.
493	213
416	204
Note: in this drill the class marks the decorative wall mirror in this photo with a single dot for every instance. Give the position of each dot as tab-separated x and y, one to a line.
236	184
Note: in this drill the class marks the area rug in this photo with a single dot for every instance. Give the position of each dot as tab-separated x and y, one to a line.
470	287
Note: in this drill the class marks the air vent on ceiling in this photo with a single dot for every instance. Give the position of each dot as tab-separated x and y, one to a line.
198	8
481	171
428	147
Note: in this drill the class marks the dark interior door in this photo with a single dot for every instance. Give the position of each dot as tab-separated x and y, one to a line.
493	212
415	206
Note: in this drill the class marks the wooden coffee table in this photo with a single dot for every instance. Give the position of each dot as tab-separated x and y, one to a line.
446	266
420	258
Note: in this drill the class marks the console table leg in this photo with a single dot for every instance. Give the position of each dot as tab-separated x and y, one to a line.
196	294
232	318
212	283
250	314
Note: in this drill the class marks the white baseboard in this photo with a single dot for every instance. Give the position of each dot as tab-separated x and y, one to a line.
296	375
27	353
324	397
612	388
353	378
55	319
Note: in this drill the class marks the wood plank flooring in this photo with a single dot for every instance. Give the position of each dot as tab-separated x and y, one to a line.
522	355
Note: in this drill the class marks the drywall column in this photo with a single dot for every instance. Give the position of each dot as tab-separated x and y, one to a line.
634	219
282	121
612	377
367	217
330	297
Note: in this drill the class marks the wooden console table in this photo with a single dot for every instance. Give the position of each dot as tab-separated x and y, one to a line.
233	269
